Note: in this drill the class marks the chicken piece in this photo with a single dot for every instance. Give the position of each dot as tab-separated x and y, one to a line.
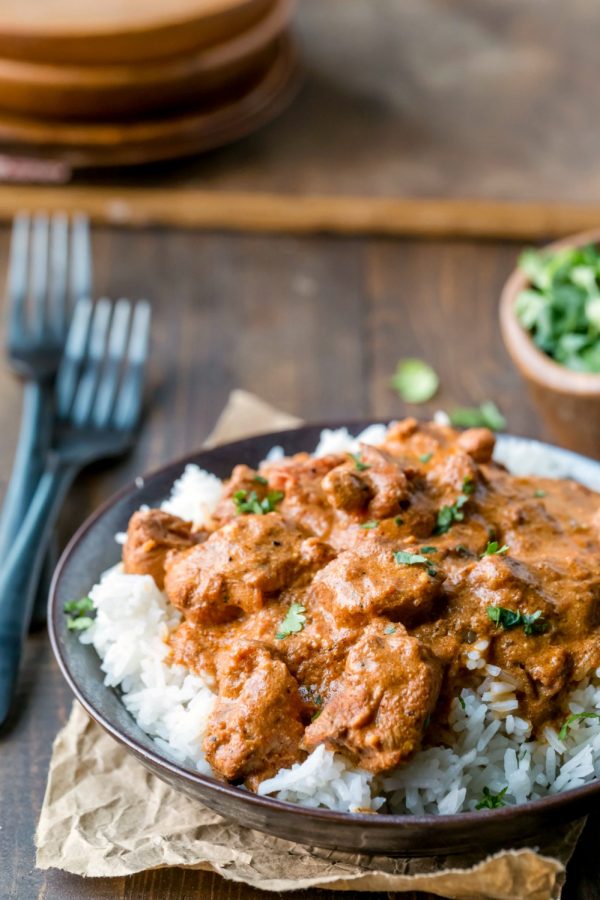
151	535
347	489
383	701
455	473
374	481
478	443
242	563
256	725
368	580
300	480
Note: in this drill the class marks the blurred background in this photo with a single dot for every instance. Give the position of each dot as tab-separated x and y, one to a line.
470	99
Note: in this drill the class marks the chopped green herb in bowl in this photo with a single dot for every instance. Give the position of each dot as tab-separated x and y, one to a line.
561	306
550	323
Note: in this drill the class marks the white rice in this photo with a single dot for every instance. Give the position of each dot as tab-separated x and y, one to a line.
492	747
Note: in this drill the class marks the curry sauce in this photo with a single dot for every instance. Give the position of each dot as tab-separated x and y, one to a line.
346	599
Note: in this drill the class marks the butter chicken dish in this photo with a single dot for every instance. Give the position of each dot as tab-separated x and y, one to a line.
394	622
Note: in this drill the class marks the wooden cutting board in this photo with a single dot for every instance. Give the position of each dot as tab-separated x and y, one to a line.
149	140
109	31
49	90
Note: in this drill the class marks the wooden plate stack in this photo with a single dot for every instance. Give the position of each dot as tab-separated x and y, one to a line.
118	82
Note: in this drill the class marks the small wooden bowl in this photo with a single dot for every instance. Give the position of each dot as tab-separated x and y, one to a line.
568	402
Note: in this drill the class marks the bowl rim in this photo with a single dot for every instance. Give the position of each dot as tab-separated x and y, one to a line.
536	365
160	762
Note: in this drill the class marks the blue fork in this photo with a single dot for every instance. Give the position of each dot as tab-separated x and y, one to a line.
49	269
98	402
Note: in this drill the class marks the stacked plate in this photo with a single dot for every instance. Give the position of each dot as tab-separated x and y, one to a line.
107	82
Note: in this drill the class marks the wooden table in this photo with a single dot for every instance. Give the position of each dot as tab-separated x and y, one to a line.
314	325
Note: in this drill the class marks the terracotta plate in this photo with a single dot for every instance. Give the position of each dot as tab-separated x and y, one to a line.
93	549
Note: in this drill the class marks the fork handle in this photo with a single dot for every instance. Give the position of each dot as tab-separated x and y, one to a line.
28	463
21	570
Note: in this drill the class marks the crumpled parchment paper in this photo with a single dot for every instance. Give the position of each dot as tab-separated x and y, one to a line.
104	814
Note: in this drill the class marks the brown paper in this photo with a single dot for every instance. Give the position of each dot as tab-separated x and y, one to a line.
104	814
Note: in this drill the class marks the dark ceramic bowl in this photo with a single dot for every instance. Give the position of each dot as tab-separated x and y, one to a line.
93	549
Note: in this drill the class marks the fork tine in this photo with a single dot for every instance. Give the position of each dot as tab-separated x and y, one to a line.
18	270
117	348
86	391
81	259
39	273
59	249
129	401
75	349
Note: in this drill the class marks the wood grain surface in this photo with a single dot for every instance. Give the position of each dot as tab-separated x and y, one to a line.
314	325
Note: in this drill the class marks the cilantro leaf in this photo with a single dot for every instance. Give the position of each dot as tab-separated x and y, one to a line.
248	502
494	549
532	623
415	380
414	559
575	718
86	604
468	485
76	610
79	623
360	465
369	525
294	621
425	457
492	801
486	415
410	559
260	479
428	549
539	492
461	700
447	515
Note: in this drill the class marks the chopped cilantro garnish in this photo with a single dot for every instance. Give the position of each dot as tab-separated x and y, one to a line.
368	525
492	801
360	465
461	700
575	718
260	479
77	620
447	515
560	308
429	549
415	380
468	485
532	623
462	550
248	502
494	549
398	521
414	559
539	492
425	457
294	621
389	629
487	415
